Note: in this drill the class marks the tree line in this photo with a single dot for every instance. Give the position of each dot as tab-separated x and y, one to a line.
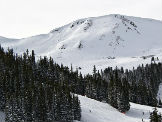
140	85
33	91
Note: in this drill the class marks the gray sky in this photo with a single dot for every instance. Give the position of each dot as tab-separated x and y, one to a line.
23	18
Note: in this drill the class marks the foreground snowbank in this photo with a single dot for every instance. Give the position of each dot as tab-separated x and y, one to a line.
94	111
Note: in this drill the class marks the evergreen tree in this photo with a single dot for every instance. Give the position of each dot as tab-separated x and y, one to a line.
155	117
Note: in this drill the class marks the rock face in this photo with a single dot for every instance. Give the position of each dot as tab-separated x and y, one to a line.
112	40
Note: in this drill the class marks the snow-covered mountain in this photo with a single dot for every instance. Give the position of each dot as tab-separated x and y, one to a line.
112	40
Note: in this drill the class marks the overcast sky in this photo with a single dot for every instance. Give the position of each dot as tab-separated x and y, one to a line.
23	18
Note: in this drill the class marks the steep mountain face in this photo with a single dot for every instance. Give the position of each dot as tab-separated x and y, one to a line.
113	40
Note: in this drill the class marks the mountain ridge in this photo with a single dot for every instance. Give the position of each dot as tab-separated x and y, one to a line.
109	40
149	19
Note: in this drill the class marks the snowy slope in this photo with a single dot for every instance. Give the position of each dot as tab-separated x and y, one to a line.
102	41
94	111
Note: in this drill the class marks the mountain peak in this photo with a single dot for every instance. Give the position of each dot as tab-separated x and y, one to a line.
111	40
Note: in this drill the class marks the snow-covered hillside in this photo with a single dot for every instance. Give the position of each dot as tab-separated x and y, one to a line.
102	41
94	111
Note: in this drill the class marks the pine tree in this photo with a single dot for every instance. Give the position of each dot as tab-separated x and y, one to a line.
94	70
155	117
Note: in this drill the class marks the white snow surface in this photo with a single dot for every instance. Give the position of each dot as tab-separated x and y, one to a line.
111	40
94	111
